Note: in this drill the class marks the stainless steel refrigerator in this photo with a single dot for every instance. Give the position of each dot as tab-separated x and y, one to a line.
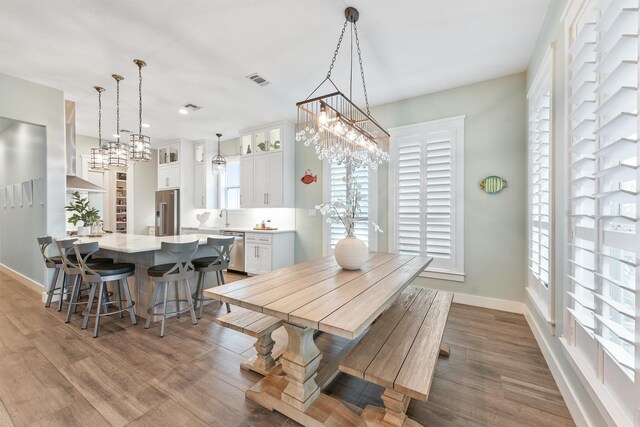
167	213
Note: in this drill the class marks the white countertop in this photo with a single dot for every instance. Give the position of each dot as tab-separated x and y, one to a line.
133	243
241	229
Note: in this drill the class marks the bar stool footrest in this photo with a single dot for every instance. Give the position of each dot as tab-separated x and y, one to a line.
158	313
123	310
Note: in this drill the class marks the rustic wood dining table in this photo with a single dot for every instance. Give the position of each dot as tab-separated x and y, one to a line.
318	295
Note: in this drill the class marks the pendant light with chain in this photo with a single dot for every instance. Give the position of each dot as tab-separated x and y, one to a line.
117	149
99	159
340	131
139	144
218	162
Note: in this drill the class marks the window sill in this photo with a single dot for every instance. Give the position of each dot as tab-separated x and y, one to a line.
540	309
607	404
450	276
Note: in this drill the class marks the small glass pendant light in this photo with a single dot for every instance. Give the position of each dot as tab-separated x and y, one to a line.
218	163
139	144
117	149
99	159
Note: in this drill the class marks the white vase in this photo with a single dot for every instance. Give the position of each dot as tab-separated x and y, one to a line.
351	253
203	218
84	231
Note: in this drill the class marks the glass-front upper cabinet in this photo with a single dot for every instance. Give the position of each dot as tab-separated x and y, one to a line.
274	140
260	140
168	154
246	145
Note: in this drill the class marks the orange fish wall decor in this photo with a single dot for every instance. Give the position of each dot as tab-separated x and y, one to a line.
309	178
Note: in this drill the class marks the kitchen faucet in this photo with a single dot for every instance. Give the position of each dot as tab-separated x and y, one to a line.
226	219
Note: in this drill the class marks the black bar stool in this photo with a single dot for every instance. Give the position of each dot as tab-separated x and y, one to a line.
71	268
177	272
217	264
97	275
56	263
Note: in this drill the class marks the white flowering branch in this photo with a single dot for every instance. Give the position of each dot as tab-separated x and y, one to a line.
347	212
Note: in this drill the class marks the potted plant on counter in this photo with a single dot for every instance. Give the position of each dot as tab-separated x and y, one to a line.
84	216
350	252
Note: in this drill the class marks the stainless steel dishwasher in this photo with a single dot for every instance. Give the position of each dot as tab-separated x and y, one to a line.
237	252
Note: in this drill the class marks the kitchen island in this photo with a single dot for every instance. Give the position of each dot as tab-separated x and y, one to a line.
144	251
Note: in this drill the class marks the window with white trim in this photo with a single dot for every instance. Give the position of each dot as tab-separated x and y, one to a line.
539	157
603	243
426	200
229	183
336	189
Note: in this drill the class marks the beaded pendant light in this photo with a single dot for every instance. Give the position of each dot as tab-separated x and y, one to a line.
339	130
117	149
139	144
99	159
218	162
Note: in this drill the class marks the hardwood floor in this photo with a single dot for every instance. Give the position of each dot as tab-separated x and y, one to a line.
54	374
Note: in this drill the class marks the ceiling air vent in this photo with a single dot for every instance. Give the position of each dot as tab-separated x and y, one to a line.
258	79
192	107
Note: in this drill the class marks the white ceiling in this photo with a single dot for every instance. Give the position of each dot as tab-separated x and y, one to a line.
200	51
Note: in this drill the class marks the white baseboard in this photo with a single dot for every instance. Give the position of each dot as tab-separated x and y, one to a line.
566	389
31	284
492	303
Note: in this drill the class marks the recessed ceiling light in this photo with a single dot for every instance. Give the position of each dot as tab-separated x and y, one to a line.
146	125
183	111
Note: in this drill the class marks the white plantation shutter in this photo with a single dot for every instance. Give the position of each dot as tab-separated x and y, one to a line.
337	190
426	185
540	184
409	200
438	215
603	172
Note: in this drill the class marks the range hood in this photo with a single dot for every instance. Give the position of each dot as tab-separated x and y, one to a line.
74	183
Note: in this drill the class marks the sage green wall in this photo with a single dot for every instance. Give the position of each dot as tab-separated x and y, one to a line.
495	144
552	32
308	243
33	103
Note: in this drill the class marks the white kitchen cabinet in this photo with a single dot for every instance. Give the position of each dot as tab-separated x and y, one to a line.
268	152
199	186
257	258
170	160
260	181
168	177
246	182
205	186
266	252
268	180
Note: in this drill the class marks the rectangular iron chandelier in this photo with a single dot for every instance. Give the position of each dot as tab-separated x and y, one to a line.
340	131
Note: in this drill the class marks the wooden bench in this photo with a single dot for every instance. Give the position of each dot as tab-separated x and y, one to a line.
259	326
400	352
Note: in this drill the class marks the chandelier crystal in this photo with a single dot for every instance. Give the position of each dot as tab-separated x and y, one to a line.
218	162
99	159
339	130
139	144
117	150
